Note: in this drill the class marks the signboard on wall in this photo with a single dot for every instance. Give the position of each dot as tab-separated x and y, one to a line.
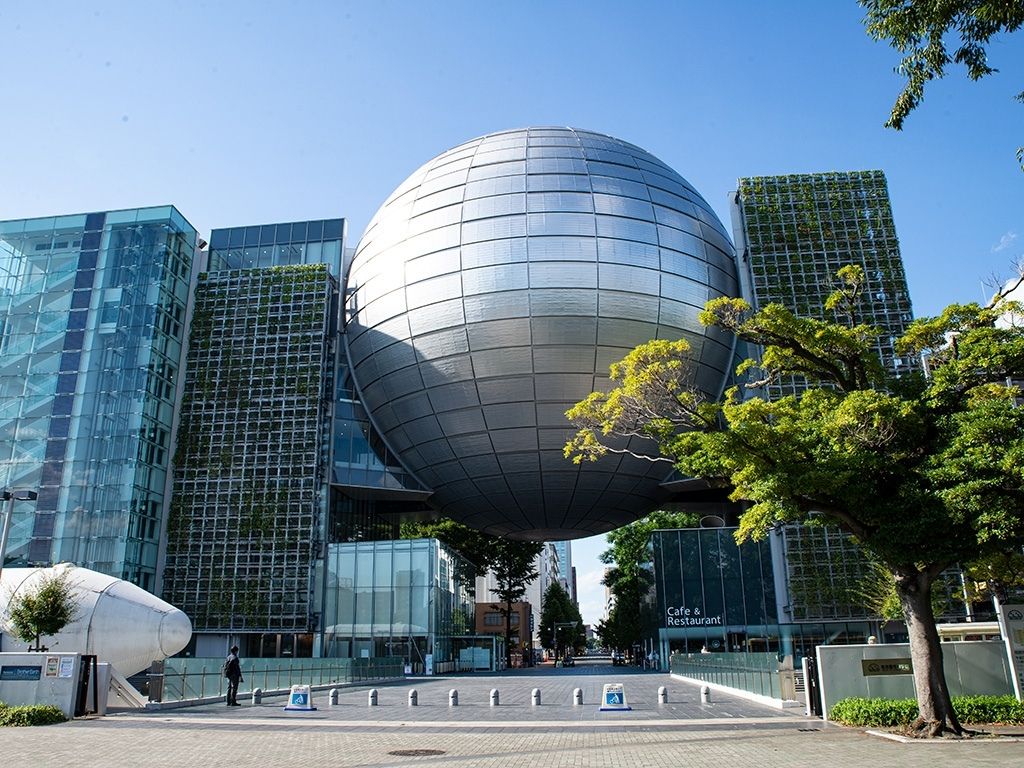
897	666
680	616
12	672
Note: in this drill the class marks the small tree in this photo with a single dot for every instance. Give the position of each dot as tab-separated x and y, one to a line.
44	610
513	568
560	611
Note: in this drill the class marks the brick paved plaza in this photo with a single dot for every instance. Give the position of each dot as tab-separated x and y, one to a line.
727	733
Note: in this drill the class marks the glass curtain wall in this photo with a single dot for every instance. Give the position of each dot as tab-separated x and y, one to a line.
92	310
402	598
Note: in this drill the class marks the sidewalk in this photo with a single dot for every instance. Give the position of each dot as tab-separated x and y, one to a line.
726	733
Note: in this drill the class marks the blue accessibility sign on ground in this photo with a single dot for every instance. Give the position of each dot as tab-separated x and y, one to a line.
613	698
300	699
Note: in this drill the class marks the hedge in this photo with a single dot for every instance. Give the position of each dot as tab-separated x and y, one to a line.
890	713
30	714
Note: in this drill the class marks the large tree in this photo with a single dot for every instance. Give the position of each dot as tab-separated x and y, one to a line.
922	31
924	474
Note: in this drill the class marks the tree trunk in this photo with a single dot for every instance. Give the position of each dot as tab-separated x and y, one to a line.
935	708
508	635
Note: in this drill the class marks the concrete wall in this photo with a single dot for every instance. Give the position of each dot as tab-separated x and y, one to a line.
40	678
971	667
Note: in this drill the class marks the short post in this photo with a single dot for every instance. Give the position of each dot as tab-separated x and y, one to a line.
663	695
332	697
414	698
577	697
495	697
535	697
257	696
453	698
705	695
371	698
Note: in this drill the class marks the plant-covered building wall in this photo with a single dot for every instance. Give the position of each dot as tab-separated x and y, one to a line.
794	232
250	487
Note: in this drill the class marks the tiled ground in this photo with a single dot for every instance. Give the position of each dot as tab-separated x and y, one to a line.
727	733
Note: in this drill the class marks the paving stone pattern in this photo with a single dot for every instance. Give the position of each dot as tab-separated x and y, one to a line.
727	733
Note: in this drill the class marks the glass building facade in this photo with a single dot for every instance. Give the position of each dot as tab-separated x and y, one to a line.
407	598
794	232
92	324
800	587
711	592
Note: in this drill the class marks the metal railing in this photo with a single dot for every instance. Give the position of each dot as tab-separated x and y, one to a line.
185	679
752	672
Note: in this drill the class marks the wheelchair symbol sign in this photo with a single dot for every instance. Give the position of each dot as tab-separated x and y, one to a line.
613	697
299	699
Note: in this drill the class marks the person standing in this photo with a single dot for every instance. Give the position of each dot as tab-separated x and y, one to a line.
233	672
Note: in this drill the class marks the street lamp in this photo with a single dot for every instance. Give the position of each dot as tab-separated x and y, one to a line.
9	496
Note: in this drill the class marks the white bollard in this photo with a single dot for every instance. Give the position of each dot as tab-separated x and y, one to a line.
577	697
257	696
453	698
705	695
535	697
371	698
332	698
495	697
663	695
414	698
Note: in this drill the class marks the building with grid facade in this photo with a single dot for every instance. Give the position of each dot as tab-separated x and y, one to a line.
250	490
92	325
794	232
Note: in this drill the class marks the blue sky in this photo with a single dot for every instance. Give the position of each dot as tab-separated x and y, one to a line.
251	112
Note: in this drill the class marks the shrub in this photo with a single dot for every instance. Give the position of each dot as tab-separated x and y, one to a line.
31	714
886	713
890	713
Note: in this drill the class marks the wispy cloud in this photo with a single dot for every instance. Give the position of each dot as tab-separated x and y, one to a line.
1004	242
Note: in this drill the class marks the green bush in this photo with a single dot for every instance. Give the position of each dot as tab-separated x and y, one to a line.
31	714
890	713
886	713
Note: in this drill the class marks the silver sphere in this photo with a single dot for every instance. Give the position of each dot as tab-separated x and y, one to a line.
490	293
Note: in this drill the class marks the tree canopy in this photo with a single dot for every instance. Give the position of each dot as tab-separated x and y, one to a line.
513	568
559	609
923	30
924	474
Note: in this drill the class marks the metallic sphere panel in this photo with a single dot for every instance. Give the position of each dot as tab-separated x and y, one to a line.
491	292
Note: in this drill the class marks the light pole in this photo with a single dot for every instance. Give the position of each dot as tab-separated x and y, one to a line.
9	496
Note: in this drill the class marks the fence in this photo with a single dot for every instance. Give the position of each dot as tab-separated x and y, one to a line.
752	672
185	679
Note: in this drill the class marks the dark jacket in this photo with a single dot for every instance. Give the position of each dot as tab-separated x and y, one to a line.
232	667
